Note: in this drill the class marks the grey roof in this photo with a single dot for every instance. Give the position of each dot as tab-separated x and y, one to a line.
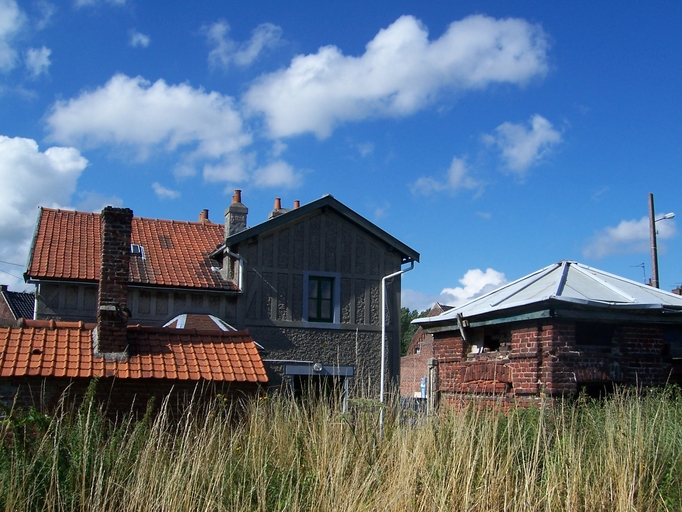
569	284
20	303
327	201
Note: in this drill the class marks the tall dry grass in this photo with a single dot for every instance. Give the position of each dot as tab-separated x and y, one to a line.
620	454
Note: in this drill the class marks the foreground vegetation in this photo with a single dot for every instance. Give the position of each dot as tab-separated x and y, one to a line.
622	454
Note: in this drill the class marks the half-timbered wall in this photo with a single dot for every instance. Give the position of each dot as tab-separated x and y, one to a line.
279	264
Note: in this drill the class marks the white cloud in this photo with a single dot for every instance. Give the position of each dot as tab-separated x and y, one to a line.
277	174
163	192
11	21
365	149
46	10
138	39
226	51
458	176
523	147
630	236
30	179
91	3
474	284
400	72
91	201
37	61
134	113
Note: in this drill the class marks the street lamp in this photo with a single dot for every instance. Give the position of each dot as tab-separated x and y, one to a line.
654	246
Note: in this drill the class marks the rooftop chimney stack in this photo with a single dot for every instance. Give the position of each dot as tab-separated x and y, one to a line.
235	215
112	312
297	204
203	217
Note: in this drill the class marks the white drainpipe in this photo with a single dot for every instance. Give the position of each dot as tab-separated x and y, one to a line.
383	342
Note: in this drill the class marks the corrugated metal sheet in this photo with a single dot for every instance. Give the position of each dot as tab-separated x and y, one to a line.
566	282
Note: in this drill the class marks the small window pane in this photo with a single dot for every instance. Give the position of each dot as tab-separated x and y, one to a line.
326	289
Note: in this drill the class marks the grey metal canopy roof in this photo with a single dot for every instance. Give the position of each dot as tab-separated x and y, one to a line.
569	284
326	201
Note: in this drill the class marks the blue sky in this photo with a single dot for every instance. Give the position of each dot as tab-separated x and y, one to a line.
494	138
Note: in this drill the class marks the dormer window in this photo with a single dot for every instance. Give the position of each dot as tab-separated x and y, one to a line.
137	250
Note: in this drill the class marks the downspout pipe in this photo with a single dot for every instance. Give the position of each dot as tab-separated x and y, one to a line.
383	341
242	261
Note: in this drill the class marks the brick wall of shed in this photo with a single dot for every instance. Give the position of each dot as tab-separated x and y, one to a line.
413	367
545	360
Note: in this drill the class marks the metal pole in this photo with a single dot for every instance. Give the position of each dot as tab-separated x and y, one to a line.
654	247
383	343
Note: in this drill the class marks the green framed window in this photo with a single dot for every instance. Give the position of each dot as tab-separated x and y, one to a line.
320	299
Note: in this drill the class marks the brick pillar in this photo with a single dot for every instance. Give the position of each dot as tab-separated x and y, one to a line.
112	298
524	360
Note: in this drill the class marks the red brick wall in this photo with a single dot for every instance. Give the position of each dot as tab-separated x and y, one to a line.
113	282
545	360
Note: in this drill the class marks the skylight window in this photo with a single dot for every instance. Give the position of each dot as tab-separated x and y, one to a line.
137	250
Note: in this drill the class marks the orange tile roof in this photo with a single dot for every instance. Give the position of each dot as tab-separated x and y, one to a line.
67	245
47	348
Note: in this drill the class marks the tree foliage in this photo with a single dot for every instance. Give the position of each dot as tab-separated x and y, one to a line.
408	329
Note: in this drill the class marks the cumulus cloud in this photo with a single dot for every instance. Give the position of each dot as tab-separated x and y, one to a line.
163	192
32	178
522	147
37	61
226	51
474	284
628	237
134	113
138	39
400	72
458	177
11	21
277	174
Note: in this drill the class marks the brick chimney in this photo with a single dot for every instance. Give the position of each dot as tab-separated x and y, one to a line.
112	314
235	215
203	216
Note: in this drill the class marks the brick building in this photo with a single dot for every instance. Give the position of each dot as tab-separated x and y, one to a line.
563	329
414	365
39	359
305	283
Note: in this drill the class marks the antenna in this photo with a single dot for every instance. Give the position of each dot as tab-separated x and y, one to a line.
643	270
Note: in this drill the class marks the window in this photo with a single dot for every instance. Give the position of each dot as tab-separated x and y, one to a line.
594	334
320	299
137	250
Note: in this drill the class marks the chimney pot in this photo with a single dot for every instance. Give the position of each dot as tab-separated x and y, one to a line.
203	216
278	203
297	204
237	197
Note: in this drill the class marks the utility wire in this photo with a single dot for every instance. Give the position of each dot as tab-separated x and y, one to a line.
9	263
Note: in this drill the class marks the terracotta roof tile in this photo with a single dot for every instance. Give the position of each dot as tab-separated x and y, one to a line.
65	349
67	245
